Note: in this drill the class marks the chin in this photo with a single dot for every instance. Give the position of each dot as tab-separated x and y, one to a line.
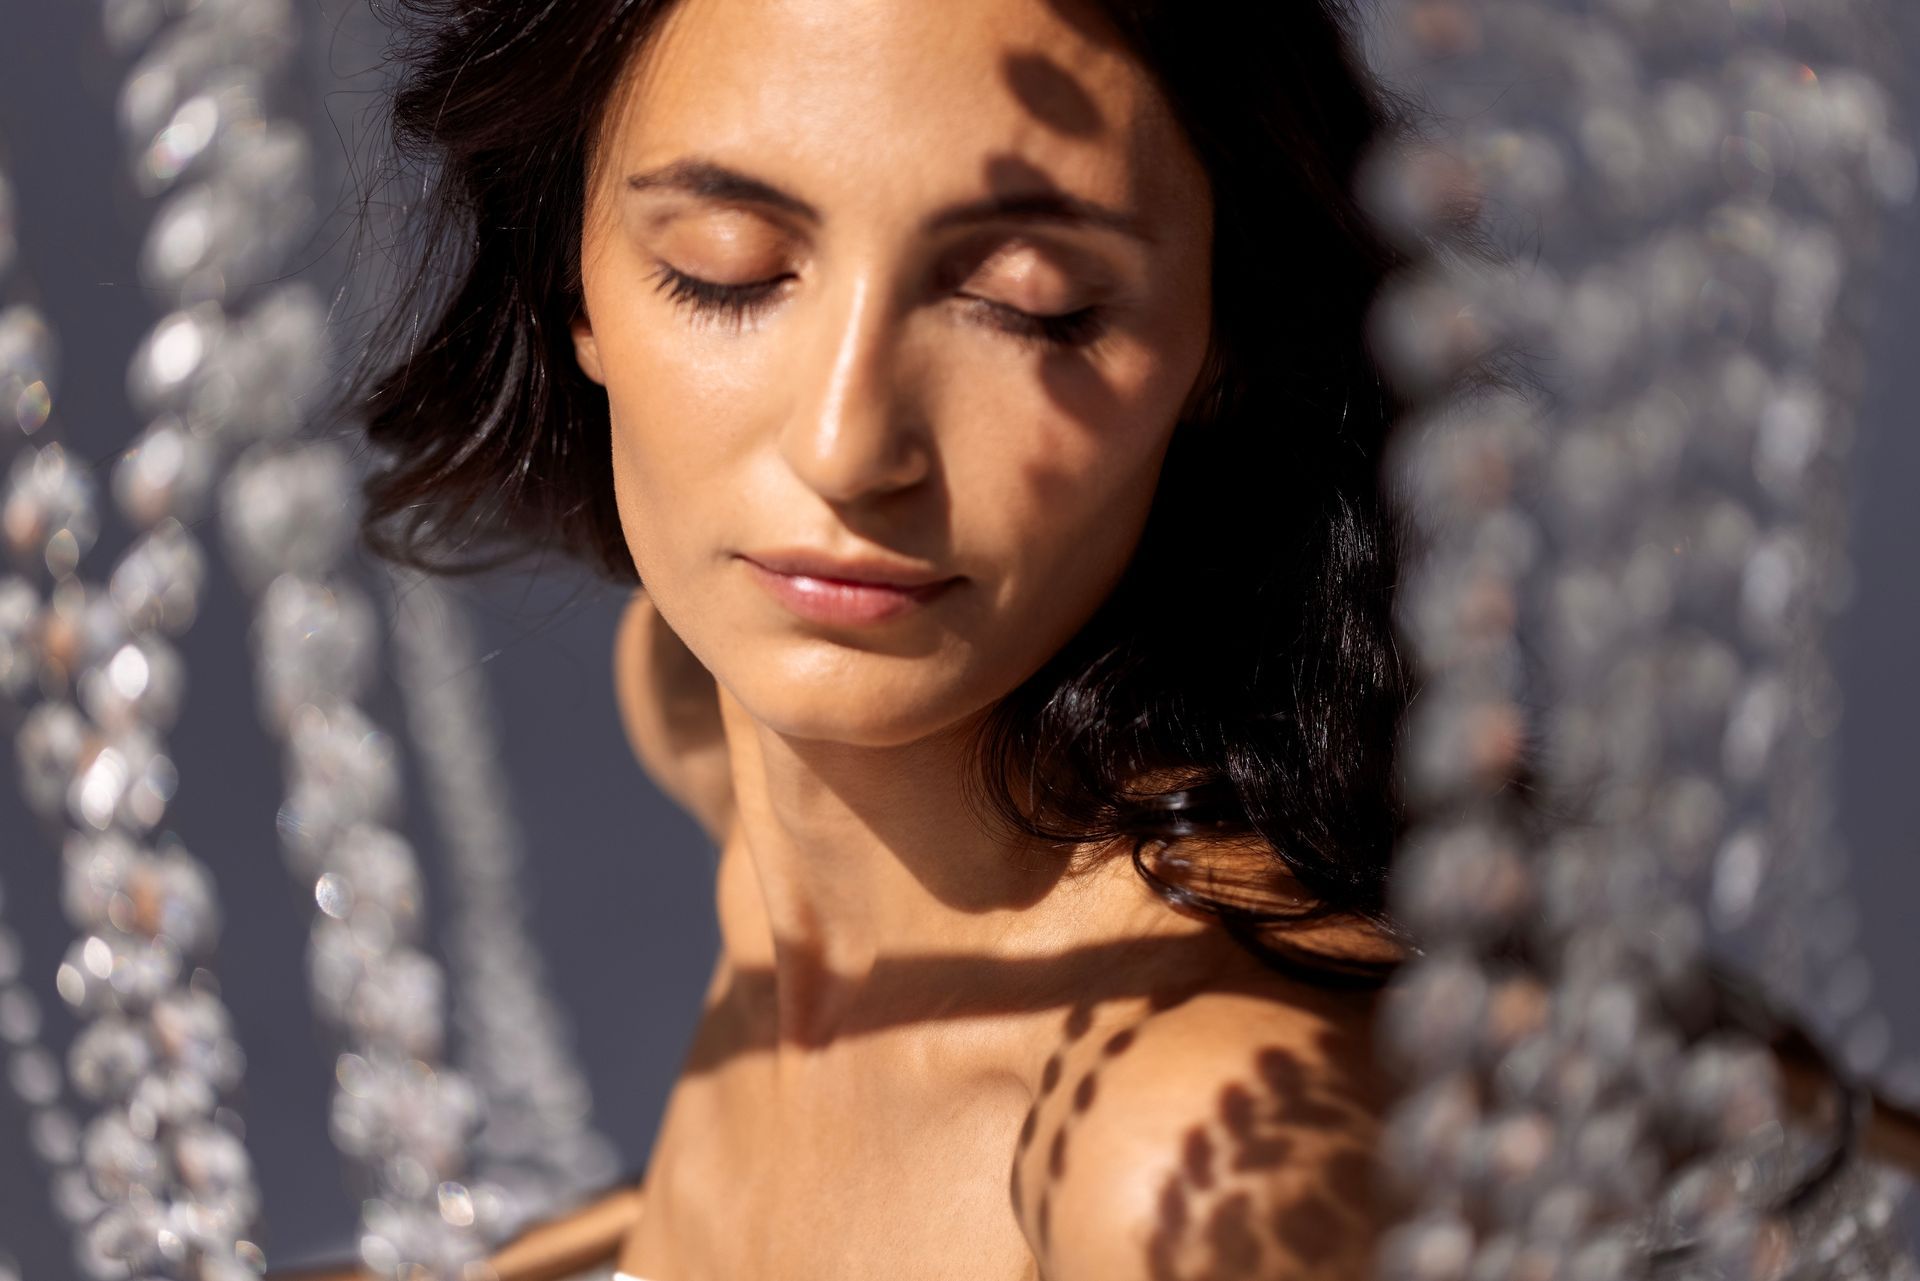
844	704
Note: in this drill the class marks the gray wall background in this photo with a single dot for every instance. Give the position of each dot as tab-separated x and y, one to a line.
619	891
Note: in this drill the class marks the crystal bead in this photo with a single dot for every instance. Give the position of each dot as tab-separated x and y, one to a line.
312	818
213	1165
25	367
49	510
404	1237
397	1004
110	971
79	626
285	511
338	750
173	1096
201	128
129	1238
122	777
96	867
139	684
314	642
28	354
385	1107
108	1057
193	1031
174	356
167	472
19	638
118	1160
157	585
381	873
187	55
48	746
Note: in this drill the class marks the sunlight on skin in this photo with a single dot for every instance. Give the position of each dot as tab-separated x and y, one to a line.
931	285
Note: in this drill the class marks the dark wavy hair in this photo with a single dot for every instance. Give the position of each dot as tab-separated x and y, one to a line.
1238	693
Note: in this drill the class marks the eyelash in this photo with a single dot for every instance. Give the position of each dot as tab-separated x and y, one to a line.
731	305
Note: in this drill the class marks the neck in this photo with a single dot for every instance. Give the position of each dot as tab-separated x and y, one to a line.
866	857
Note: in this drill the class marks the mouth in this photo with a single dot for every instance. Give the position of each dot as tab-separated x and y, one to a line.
843	592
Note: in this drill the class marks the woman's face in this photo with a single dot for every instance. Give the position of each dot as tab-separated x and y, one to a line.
917	289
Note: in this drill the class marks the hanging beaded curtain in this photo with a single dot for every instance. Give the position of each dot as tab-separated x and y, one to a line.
159	1183
1626	552
1638	370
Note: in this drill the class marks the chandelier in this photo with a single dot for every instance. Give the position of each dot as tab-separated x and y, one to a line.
1671	210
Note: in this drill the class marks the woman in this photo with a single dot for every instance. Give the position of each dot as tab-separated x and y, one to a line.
979	393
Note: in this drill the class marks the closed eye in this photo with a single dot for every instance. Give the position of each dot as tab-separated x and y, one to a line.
734	305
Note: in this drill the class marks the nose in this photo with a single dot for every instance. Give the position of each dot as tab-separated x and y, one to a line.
854	432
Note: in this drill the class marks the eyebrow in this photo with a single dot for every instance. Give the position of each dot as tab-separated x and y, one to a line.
709	180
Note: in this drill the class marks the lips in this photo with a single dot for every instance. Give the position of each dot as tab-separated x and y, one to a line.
857	571
827	590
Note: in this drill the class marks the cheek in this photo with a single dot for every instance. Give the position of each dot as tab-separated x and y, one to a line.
1053	486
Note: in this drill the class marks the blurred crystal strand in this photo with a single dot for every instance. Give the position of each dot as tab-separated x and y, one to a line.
224	379
156	1182
538	1148
1693	189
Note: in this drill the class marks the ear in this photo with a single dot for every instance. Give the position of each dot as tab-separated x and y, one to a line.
585	349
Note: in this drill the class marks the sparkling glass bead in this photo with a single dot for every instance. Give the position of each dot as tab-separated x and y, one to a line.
130	1238
1467	881
200	129
288	511
315	644
107	1057
213	1164
119	1160
174	357
193	1031
339	750
1429	1248
122	777
312	818
79	626
19	638
49	512
397	1003
95	867
28	361
172	1096
380	874
140	683
110	971
48	746
385	1107
187	55
167	472
402	1236
157	584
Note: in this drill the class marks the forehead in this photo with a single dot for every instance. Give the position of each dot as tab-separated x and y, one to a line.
938	98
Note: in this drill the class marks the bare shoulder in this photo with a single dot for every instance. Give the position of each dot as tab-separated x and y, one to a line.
1229	1137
